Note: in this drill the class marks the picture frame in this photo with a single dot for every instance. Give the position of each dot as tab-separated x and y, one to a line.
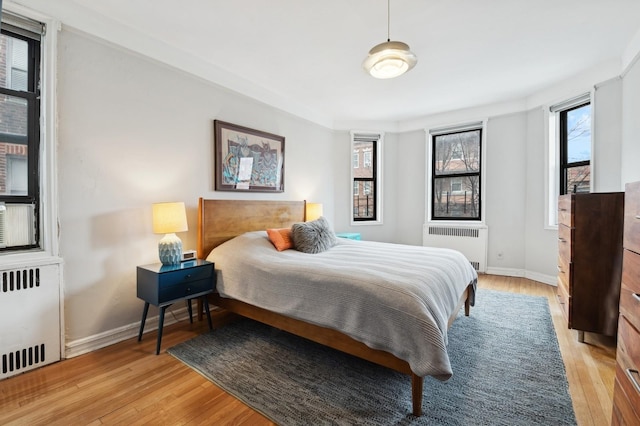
247	160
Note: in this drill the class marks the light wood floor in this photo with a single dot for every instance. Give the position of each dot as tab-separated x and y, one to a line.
127	384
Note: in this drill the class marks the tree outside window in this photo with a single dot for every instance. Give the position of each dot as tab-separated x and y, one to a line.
456	175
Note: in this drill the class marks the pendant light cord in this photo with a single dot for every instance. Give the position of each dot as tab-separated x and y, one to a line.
388	20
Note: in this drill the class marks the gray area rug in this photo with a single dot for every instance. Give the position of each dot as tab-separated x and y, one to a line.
507	370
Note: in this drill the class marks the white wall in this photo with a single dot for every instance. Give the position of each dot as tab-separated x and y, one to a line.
505	193
631	123
607	135
133	132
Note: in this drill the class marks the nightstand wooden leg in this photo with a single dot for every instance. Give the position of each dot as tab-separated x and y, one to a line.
206	308
144	319
199	308
160	326
190	311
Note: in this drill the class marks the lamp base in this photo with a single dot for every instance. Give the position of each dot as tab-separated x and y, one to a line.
170	249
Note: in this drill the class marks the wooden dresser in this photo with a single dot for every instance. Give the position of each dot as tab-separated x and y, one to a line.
590	260
626	392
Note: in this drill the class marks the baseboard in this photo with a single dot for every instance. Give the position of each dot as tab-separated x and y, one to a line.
110	337
513	272
507	272
551	280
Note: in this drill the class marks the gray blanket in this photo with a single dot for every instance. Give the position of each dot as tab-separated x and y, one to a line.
393	297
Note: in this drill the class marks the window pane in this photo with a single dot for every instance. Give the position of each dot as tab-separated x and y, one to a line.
13	55
579	134
13	146
462	202
578	179
457	153
363	200
364	151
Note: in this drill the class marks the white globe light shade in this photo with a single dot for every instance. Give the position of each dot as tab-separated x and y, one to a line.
389	59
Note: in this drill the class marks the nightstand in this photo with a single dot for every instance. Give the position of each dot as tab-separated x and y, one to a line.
163	285
349	235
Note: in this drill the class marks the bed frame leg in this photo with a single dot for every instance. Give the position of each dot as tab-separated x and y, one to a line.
467	307
416	394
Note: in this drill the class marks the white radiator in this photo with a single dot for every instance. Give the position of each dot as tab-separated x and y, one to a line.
29	318
469	240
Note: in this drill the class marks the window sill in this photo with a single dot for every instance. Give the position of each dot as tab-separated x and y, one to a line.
9	260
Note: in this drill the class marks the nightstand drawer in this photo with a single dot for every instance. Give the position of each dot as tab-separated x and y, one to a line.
168	279
161	284
184	290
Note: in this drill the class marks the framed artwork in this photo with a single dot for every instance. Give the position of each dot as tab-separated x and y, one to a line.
247	159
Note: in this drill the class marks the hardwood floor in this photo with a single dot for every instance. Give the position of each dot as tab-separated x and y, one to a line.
127	384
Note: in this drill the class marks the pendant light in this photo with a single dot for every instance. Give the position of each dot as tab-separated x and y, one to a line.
391	58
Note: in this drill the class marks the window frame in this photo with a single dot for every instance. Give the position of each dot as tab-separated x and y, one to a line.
376	162
432	134
32	139
47	250
552	152
564	148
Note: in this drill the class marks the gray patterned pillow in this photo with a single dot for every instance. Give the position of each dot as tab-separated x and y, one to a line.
313	237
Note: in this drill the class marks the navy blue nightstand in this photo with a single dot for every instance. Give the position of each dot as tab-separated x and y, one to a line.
162	285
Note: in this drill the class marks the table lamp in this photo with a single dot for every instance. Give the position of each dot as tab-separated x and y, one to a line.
169	218
313	211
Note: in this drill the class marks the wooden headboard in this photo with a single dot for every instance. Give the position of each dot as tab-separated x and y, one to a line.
221	220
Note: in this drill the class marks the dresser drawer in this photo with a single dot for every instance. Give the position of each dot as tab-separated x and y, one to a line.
565	240
564	300
628	361
564	272
630	291
623	413
632	217
565	212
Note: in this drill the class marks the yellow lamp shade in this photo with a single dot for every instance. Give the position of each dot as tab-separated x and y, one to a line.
169	218
313	211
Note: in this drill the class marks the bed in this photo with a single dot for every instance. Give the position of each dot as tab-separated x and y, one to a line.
306	294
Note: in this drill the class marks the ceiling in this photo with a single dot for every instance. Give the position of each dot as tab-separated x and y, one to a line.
306	56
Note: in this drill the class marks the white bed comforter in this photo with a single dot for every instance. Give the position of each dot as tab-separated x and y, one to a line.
393	297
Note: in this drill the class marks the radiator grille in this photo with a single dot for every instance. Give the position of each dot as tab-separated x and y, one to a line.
454	232
20	279
27	357
30	318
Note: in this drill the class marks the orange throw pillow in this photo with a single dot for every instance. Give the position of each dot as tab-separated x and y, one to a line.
280	238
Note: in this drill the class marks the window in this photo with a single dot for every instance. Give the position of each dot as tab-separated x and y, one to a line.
366	193
367	158
456	173
20	53
575	149
456	185
356	160
568	152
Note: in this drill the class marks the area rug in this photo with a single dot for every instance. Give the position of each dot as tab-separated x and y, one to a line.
507	370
